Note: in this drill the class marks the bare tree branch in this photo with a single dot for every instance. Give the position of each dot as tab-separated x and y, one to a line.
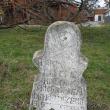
45	10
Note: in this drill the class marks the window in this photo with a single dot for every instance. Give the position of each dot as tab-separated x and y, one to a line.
99	18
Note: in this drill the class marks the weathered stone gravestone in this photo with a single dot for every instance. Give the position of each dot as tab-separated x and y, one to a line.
60	85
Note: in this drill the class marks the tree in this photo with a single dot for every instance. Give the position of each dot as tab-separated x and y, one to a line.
48	10
88	4
107	3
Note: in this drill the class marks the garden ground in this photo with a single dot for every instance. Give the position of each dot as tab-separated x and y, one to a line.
17	70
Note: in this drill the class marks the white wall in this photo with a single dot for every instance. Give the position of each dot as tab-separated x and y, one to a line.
102	17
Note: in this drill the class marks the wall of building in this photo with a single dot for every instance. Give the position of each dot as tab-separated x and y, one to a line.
107	17
99	18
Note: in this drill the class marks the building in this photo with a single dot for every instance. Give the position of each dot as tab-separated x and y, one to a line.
99	15
107	16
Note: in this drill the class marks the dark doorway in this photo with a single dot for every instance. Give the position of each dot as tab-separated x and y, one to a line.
99	18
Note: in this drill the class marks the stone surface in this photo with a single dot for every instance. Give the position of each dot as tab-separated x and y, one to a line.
60	84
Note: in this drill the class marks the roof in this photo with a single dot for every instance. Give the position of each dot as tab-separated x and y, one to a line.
100	11
107	11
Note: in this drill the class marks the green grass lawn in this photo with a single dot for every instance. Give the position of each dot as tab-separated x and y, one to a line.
17	70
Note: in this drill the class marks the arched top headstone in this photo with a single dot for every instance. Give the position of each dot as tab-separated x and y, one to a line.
62	45
60	85
62	36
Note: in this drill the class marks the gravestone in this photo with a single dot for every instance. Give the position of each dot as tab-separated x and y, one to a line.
60	84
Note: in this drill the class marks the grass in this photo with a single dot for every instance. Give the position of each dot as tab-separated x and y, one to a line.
17	70
96	47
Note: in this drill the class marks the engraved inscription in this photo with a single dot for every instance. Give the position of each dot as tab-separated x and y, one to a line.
60	84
